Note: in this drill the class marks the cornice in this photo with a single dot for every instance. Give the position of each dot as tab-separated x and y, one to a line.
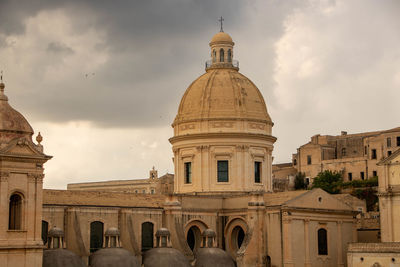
222	135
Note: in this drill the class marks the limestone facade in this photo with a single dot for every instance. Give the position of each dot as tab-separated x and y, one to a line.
151	185
21	181
386	253
254	228
355	155
222	148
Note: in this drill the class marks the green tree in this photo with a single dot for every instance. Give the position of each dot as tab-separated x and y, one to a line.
329	181
300	181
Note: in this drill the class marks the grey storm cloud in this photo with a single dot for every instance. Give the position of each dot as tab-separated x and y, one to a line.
154	50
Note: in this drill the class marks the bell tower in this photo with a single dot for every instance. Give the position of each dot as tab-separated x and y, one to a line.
21	184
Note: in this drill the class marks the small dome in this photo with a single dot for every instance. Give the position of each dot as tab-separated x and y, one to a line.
116	257
209	233
112	231
61	258
12	123
213	257
162	232
165	257
55	232
221	37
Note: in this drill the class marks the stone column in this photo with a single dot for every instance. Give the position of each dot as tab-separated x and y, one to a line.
339	244
4	204
287	241
307	261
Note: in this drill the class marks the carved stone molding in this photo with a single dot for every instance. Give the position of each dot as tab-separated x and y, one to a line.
222	124
257	126
187	126
35	177
202	148
286	217
4	176
242	147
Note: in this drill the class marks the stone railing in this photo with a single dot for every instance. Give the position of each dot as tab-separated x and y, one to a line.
387	247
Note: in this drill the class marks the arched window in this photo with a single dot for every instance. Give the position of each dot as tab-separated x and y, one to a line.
193	238
229	55
15	213
322	242
96	236
45	230
214	56
237	237
221	55
147	235
343	152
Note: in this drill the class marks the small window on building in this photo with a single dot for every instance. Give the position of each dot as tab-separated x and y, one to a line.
221	55
223	170
152	191
308	159
365	150
350	176
96	236
343	152
257	172
373	154
188	172
389	153
136	191
15	213
398	140
45	229
389	142
374	173
294	162
144	191
229	55
214	56
362	175
307	181
322	242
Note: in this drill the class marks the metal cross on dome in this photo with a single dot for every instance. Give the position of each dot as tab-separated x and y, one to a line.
221	19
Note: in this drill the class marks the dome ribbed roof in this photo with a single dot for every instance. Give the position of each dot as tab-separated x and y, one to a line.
12	123
221	37
165	257
213	257
116	257
222	94
61	258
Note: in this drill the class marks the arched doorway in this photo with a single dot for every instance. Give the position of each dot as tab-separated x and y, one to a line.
193	238
147	235
96	236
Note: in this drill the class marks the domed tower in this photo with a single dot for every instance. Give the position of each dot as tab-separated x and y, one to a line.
222	133
21	183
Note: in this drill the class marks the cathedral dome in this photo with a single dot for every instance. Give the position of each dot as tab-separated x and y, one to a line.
221	37
222	93
12	123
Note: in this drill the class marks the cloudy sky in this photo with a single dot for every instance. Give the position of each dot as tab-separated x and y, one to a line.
102	80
